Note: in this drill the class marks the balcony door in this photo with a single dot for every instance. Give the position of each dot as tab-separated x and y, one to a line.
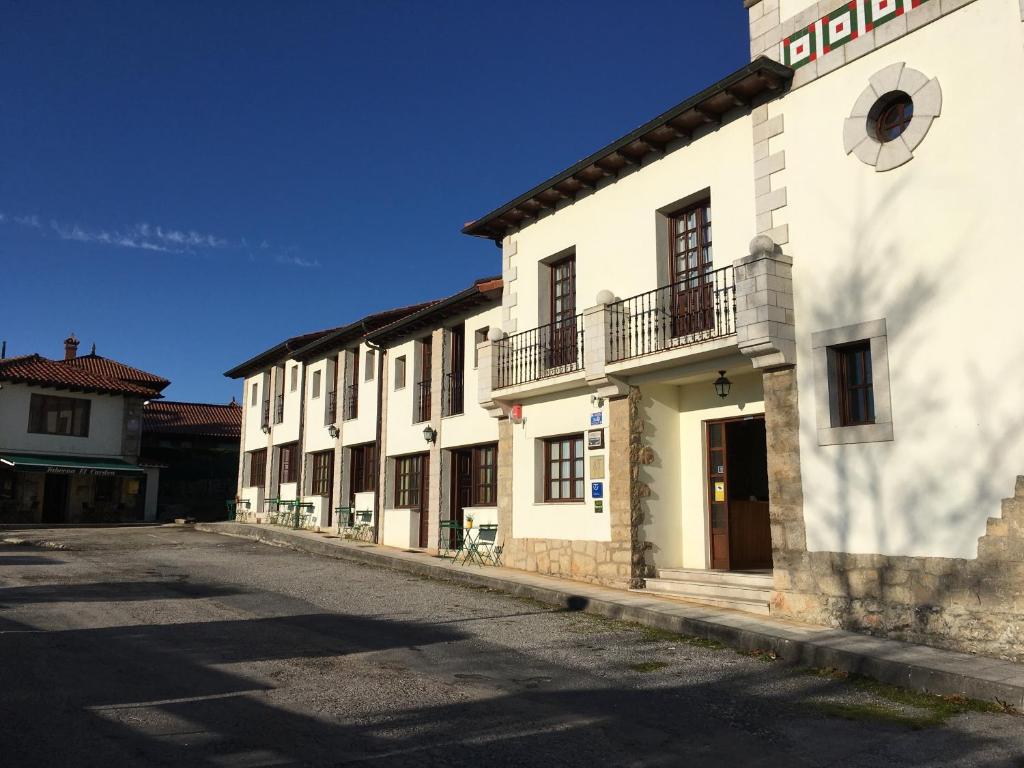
692	263
563	350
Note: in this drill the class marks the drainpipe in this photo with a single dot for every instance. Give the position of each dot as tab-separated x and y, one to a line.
379	439
302	447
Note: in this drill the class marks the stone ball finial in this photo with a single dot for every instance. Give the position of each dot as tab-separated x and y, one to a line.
762	245
495	334
605	297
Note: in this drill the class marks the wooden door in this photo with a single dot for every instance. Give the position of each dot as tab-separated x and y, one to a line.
691	268
462	488
563	350
718	498
55	499
425	500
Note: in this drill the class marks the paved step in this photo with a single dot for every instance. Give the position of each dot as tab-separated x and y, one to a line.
747	605
696	589
735	578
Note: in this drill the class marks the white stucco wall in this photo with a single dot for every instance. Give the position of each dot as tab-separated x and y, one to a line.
288	430
790	8
363	428
400	528
106	424
403	436
932	247
253	437
616	230
315	435
473	425
548	417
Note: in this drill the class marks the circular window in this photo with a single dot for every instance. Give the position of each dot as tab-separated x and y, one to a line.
890	116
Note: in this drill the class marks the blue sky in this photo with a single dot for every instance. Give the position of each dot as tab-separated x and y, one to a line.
187	183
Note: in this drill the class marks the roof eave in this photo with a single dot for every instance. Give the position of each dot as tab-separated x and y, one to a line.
497	223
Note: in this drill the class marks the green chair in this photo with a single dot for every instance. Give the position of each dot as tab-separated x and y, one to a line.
450	538
364	525
346	519
484	548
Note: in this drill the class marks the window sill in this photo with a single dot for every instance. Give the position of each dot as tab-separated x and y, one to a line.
566	503
860	433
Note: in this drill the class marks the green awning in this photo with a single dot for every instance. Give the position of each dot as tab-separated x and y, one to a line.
66	465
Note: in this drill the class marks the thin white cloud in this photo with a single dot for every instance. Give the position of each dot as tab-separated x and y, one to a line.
119	239
28	221
297	261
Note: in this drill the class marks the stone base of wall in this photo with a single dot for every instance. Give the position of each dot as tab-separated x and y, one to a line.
975	606
615	563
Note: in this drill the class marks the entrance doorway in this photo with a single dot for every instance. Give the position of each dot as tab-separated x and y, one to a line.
462	489
55	499
737	465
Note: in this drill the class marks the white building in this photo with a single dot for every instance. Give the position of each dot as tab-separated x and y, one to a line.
868	334
69	440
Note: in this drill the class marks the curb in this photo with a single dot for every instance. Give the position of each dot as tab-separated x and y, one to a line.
917	667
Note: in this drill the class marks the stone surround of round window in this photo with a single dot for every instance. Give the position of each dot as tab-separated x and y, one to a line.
891	117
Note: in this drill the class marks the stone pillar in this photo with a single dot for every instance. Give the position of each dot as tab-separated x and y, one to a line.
511	552
624	563
438	353
487	371
764	305
595	349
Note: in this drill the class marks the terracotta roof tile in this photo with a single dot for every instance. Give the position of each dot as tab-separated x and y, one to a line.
200	419
112	369
35	369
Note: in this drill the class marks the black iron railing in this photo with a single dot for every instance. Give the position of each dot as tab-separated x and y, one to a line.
350	407
332	407
540	353
421	408
692	311
452	396
279	409
266	414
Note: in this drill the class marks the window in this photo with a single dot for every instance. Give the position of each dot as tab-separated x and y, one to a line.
49	415
853	384
563	468
321	479
692	265
253	398
421	408
563	349
400	372
890	116
485	476
479	337
409	476
350	406
257	468
295	378
316	384
364	468
453	392
289	455
368	365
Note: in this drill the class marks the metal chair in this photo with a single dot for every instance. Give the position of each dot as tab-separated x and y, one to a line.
484	548
346	519
450	531
364	525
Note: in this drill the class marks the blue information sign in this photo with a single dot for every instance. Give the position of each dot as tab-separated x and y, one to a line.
596	419
597	490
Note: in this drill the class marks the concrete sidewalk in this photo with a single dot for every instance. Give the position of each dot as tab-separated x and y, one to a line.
911	666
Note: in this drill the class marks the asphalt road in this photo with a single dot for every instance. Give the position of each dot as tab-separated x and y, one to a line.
164	646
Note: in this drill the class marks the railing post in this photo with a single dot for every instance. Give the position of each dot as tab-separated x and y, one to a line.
487	371
597	347
764	305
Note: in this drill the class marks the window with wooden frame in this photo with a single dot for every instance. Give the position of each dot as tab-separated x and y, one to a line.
854	386
564	478
691	265
257	468
368	364
320	480
364	468
485	476
288	455
350	406
563	349
49	415
409	482
400	372
421	406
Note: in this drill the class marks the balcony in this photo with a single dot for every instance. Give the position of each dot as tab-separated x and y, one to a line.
453	394
350	405
265	422
539	353
279	409
690	312
421	408
332	407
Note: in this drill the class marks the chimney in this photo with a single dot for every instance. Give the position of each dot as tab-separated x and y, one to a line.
70	347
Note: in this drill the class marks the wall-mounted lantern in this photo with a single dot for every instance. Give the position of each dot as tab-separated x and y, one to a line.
722	385
333	431
429	434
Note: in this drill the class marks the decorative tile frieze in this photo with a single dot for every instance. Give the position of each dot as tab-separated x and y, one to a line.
845	24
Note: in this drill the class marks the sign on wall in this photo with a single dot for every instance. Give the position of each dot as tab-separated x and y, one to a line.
595	439
597	490
596	419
